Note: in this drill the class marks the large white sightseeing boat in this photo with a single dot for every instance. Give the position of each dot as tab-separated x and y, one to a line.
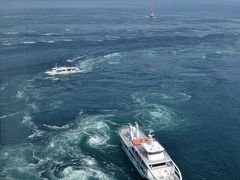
148	155
62	70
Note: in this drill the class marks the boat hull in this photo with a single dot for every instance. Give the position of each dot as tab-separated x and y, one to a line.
132	159
53	73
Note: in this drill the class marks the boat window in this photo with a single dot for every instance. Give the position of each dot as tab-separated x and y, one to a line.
157	165
68	69
153	153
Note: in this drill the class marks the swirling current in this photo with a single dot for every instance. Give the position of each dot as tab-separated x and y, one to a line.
176	75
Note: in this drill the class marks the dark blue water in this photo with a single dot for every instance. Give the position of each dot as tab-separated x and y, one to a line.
176	75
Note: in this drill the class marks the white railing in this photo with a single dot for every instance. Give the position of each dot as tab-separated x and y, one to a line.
177	171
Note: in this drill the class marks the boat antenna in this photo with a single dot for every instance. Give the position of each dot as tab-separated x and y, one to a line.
137	130
131	130
150	133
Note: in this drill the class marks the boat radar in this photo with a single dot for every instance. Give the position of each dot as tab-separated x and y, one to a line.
147	154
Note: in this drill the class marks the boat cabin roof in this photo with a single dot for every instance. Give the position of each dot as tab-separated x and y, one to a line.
152	147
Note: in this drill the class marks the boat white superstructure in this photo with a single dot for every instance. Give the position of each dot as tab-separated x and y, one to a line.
62	70
148	155
151	14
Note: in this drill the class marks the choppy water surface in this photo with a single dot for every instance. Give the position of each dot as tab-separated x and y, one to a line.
176	75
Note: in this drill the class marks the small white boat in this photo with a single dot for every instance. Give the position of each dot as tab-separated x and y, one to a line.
151	15
148	155
62	70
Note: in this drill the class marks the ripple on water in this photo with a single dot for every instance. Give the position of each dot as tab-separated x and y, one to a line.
19	95
60	155
170	97
84	174
151	113
3	86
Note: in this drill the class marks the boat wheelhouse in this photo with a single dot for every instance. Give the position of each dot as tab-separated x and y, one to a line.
148	155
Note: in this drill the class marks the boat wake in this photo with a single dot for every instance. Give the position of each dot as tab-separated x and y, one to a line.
74	59
86	66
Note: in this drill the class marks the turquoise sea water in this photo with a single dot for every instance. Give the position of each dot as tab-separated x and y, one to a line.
177	75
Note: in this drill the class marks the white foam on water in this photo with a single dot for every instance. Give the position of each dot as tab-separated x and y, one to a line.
11	16
165	96
111	37
152	98
152	114
74	59
10	33
56	104
204	56
7	44
16	162
35	160
34	107
50	41
113	62
52	78
97	133
4	116
86	66
112	55
161	112
36	133
96	140
67	126
50	34
8	115
29	42
67	40
113	58
67	141
27	121
175	96
219	52
99	40
183	50
3	86
184	96
89	161
70	173
174	52
19	94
